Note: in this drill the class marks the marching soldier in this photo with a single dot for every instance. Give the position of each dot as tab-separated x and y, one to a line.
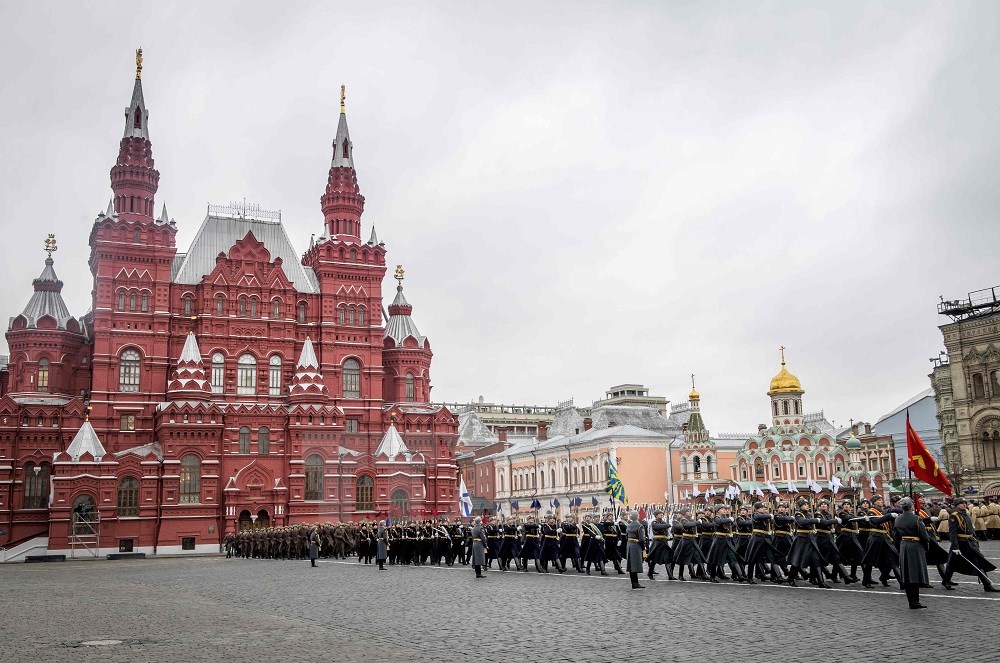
826	532
659	551
529	545
761	553
510	547
848	544
723	550
805	554
381	545
879	551
965	556
610	533
494	536
569	544
594	547
549	545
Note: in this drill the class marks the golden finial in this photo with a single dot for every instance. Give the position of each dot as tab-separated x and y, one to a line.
398	275
86	413
694	395
138	64
50	245
782	348
343	95
692	380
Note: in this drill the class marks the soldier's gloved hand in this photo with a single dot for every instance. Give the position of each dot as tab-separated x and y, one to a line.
894	515
839	521
934	519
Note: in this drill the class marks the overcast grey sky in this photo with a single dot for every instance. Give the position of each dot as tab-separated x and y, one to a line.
582	194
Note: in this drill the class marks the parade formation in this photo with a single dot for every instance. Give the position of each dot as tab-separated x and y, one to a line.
813	543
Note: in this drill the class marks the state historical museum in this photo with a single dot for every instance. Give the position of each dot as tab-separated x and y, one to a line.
235	385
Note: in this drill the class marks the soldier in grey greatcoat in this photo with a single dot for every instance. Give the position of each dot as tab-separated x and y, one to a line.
911	540
636	549
479	546
381	545
313	545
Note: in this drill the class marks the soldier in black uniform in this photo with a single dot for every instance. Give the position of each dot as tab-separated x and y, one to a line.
879	551
965	556
848	544
569	544
761	553
743	531
609	530
804	555
549	545
529	545
659	551
493	539
826	532
723	550
686	551
510	547
593	548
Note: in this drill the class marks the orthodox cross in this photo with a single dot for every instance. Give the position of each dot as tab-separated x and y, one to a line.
138	64
398	275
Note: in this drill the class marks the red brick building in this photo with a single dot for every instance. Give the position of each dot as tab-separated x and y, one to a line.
233	385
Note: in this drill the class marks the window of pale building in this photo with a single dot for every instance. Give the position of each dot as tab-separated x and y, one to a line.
978	389
246	375
991	449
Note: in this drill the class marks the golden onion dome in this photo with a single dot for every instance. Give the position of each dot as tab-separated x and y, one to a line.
694	395
784	382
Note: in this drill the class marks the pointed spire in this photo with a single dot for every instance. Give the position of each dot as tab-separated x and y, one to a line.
307	383
111	208
400	325
392	445
164	217
189	381
86	442
134	178
47	297
373	240
342	202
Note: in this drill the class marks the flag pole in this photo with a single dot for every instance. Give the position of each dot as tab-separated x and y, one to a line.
908	468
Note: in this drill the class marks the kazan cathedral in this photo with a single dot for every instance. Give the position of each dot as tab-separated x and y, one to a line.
235	385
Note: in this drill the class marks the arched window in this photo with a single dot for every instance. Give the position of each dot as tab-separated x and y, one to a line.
188	305
246	375
253	307
121	300
802	469
245	440
84	516
263	441
43	375
218	372
776	471
409	388
796	404
242	303
552	476
145	302
361	316
128	498
220	304
991	449
302	312
36	486
128	371
400	502
347	149
978	388
274	376
136	236
565	475
342	314
190	480
364	495
708	465
774	407
696	461
352	379
131	301
684	467
784	407
541	476
137	118
350	315
607	470
820	471
275	309
314	477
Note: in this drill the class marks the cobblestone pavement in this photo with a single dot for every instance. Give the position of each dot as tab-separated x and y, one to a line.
211	608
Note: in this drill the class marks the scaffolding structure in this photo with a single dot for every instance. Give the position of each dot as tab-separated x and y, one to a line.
979	303
85	538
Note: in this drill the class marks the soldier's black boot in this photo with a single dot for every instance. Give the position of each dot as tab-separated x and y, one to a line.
601	566
848	580
577	565
545	566
866	577
588	568
913	596
818	573
680	572
618	567
649	574
562	568
635	581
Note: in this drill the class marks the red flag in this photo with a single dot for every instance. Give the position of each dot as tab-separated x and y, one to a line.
922	463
